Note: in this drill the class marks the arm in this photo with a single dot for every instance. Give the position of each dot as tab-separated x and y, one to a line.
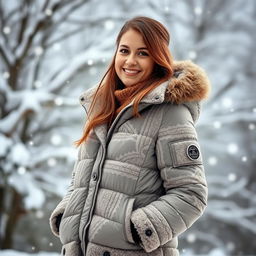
180	163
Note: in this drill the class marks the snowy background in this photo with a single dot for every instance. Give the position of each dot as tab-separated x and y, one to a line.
52	50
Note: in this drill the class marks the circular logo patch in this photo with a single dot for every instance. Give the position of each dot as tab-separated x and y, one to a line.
193	152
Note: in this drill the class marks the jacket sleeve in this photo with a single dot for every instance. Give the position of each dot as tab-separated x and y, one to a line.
180	163
57	213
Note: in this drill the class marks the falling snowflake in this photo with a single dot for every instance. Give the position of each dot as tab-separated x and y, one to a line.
21	170
232	177
58	101
244	159
48	12
51	162
6	75
56	47
166	9
232	148
212	160
7	30
31	143
192	54
37	84
109	24
38	50
56	139
39	214
90	62
191	238
227	102
198	10
217	124
251	127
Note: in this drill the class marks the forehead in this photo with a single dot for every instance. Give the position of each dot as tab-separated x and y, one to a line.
132	38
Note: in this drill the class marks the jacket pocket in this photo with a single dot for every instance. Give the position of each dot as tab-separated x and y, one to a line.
127	220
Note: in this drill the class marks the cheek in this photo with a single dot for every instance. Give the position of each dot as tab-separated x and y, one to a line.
149	66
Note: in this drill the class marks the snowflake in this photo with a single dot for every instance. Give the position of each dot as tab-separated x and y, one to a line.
212	160
191	238
232	148
217	124
90	62
56	139
232	177
244	158
192	54
198	10
251	127
109	24
7	30
166	9
38	84
48	12
39	214
58	101
51	162
227	102
6	75
38	50
21	170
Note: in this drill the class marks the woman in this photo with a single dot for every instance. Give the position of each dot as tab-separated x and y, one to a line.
139	180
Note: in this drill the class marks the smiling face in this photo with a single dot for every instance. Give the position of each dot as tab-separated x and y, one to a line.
133	62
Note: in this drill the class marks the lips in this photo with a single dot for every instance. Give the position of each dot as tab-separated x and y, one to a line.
131	71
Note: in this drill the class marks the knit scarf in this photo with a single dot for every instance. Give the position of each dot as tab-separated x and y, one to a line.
123	96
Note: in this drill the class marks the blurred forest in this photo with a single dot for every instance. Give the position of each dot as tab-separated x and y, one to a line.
53	50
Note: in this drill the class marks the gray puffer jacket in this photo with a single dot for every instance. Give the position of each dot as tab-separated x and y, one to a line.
143	173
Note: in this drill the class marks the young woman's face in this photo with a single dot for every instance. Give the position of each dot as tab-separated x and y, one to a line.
133	63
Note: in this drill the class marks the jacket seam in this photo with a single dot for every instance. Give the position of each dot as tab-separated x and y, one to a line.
107	218
176	212
153	140
64	217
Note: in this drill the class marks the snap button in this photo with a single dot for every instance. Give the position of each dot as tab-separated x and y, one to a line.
148	232
157	98
106	253
82	98
94	176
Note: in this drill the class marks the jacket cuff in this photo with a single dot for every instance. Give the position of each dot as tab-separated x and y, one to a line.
55	220
146	231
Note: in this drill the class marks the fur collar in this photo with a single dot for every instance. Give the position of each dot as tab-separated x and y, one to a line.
188	83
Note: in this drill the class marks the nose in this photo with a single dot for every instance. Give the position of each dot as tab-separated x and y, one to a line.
131	60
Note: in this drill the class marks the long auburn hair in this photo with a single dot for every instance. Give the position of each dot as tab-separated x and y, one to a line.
156	39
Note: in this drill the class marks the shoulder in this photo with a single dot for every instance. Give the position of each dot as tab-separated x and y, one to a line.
178	114
87	95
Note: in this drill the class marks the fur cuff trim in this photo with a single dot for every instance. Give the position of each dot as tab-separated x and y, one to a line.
162	226
146	230
53	220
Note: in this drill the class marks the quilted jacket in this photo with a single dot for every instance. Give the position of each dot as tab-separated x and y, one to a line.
144	173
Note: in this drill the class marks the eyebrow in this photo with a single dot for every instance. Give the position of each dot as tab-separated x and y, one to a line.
141	48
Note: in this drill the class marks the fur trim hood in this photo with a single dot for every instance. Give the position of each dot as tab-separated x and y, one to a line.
189	85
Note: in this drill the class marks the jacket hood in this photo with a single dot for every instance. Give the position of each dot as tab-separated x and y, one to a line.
189	85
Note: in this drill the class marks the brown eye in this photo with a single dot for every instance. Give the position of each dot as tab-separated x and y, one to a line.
123	50
143	53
